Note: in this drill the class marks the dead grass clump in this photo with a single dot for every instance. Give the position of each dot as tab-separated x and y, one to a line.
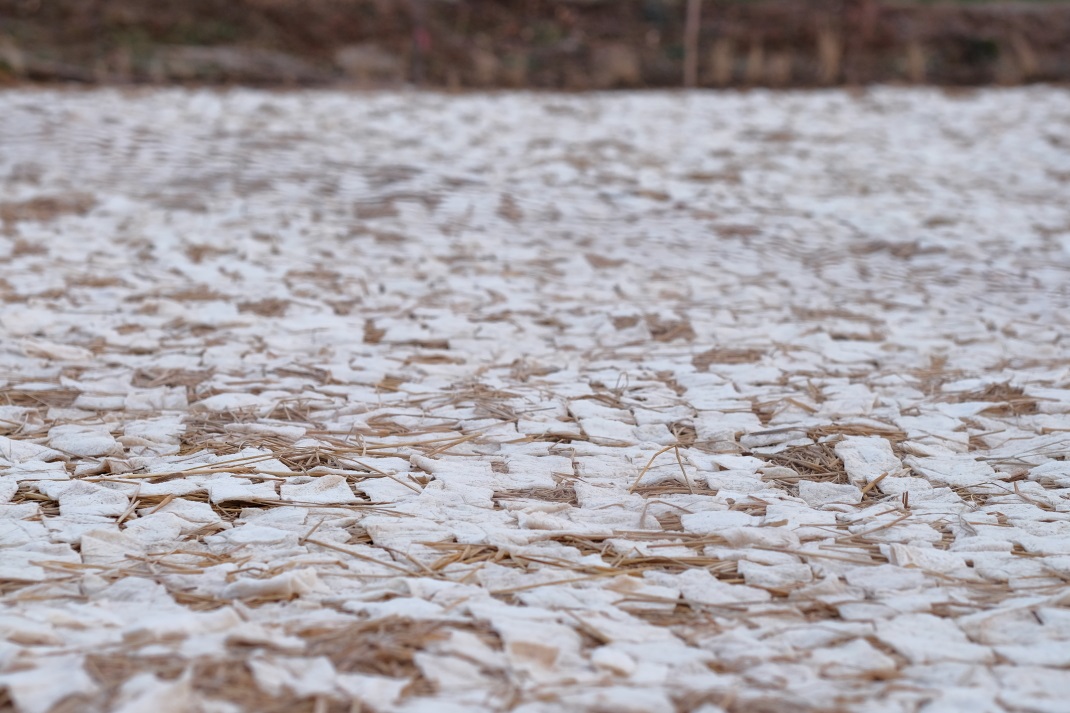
817	461
737	231
96	281
386	647
486	400
207	434
718	355
231	680
1007	400
197	252
764	410
674	487
903	251
21	248
855	336
891	433
553	495
372	334
385	426
727	176
684	432
152	378
358	536
386	237
270	307
931	379
295	409
820	315
977	443
46	208
27	494
228	680
112	669
671	521
667	330
342	308
196	294
432	359
455	554
372	209
509	209
600	261
58	397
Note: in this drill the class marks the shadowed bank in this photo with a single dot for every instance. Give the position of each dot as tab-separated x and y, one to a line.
555	44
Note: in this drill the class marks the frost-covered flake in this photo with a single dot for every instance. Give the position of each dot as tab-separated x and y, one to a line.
224	487
866	458
19	451
819	493
83	498
956	472
322	490
37	689
85	441
926	639
37	470
230	401
710	522
295	583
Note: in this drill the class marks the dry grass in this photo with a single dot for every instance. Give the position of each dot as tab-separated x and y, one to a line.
553	495
59	397
817	462
655	490
197	294
765	410
667	330
603	262
269	307
703	361
46	208
225	678
893	434
387	647
1006	400
372	334
154	378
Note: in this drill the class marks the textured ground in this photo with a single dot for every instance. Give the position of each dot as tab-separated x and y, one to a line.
406	402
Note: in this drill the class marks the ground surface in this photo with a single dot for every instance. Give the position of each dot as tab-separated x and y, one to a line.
538	403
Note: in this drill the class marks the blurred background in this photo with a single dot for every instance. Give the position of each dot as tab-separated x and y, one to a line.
559	44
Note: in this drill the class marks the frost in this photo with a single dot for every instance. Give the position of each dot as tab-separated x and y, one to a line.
867	458
22	451
83	441
818	494
419	402
38	689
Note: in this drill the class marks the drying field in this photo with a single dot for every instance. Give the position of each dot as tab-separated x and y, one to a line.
642	402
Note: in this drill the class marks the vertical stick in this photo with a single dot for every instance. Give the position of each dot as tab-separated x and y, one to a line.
421	40
723	60
916	63
755	72
1027	58
830	54
691	28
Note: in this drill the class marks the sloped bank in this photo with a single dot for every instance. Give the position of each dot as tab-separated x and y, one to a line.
569	44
